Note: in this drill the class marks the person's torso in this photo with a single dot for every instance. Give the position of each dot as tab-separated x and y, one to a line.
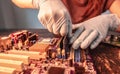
81	10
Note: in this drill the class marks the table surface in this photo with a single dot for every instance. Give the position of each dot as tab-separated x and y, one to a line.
106	57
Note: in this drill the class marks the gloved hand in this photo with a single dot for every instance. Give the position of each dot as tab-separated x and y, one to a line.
91	32
54	16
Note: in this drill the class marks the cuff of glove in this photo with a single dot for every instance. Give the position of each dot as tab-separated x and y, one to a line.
37	3
115	23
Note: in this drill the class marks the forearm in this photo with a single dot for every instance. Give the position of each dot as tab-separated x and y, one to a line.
23	3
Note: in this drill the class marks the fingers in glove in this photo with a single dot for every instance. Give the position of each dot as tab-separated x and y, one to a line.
92	36
57	26
81	38
76	34
76	26
43	22
96	42
46	19
64	29
50	20
50	24
42	19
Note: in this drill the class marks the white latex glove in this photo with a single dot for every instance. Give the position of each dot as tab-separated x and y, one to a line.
91	32
54	16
